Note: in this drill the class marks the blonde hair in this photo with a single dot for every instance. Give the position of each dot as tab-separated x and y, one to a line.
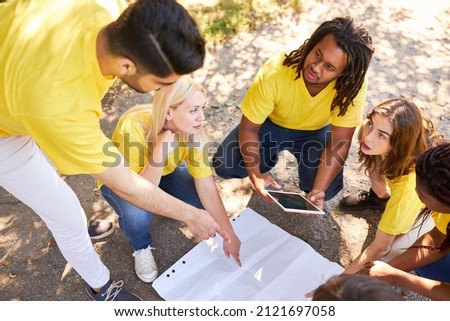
183	88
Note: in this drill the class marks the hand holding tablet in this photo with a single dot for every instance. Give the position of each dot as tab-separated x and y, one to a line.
294	202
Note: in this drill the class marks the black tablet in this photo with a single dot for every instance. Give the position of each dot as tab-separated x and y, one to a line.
294	202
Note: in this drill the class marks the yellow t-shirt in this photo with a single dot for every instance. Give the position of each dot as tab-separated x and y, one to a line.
275	94
130	138
403	206
441	221
51	85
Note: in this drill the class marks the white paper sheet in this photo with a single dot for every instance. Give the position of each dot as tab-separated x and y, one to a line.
276	266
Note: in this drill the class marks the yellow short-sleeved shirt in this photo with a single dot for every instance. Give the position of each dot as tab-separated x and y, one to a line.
130	138
403	206
51	85
275	94
441	221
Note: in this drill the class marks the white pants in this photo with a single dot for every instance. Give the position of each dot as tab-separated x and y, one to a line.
26	173
402	242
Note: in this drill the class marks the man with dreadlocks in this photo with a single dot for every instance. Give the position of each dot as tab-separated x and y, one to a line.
429	256
307	101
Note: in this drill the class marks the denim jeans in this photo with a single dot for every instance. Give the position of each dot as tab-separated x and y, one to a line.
135	222
305	145
438	271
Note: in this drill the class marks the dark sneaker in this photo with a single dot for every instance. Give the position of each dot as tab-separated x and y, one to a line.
364	200
112	291
99	229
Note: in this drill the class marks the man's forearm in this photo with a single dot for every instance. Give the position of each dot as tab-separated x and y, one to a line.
154	199
249	148
144	194
333	156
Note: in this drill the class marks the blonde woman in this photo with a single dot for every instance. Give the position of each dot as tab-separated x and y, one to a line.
164	144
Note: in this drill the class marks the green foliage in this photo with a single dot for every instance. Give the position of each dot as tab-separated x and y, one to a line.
226	18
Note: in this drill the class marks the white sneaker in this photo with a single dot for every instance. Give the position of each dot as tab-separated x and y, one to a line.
145	265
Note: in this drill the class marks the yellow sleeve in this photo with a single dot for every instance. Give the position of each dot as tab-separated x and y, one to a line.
198	163
441	221
130	139
260	99
403	206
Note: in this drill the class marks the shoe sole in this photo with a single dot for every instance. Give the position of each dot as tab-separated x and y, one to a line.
146	280
107	233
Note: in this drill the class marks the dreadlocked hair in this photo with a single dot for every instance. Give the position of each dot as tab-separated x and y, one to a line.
433	174
355	41
433	171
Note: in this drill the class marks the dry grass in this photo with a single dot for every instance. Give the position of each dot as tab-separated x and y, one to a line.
220	20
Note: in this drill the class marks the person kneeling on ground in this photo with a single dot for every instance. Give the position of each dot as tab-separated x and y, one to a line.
429	256
165	145
392	137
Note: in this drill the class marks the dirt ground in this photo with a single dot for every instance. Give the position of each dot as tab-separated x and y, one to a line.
412	60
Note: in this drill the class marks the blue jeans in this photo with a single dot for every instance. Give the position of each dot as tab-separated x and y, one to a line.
439	270
305	145
135	222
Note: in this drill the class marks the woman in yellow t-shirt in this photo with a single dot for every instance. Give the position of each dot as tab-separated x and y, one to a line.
391	138
429	257
165	144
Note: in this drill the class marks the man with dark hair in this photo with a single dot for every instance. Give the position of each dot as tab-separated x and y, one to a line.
306	101
57	59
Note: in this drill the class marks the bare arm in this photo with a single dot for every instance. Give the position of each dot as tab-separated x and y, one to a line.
141	192
432	289
331	161
211	200
416	257
249	146
397	271
379	247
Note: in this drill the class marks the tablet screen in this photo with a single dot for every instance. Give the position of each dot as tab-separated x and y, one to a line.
294	202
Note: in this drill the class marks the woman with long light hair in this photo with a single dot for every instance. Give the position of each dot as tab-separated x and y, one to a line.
164	142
